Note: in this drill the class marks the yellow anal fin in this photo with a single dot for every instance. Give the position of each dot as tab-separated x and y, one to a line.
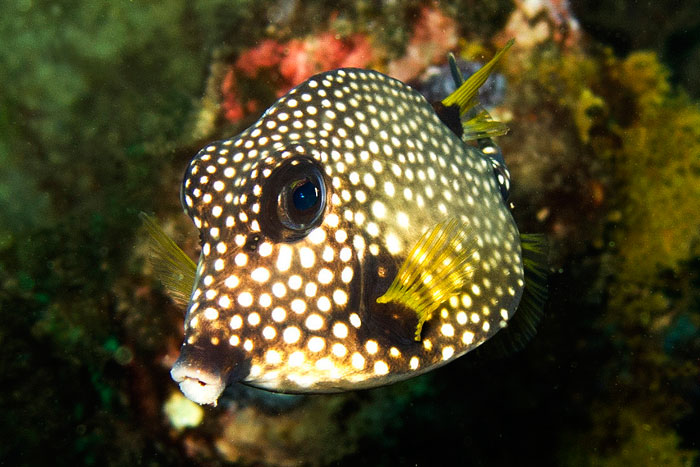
175	270
465	95
437	268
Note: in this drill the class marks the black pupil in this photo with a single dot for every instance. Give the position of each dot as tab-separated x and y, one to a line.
305	196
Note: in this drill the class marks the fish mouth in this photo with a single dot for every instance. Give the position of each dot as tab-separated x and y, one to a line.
198	385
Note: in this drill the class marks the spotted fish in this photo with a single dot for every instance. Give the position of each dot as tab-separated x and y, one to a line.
350	238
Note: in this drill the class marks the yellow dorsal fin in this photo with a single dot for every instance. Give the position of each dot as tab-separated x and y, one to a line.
437	268
174	269
465	95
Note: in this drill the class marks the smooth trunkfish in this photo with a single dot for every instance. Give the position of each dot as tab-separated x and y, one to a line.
354	236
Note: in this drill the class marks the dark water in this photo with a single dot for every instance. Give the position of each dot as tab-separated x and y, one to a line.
102	106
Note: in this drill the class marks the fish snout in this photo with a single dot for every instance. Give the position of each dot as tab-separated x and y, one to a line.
203	371
197	384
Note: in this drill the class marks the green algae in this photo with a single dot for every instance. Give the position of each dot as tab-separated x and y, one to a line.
646	137
660	167
92	106
644	443
649	137
668	28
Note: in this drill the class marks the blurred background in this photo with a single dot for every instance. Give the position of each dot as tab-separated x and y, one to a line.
103	104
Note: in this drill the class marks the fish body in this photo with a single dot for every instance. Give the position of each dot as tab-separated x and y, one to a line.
350	239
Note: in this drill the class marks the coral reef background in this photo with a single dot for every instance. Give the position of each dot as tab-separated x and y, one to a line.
104	103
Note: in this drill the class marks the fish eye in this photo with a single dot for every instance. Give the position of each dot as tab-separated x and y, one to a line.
298	204
293	200
305	196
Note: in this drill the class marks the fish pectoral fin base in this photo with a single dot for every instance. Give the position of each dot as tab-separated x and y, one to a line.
173	268
437	267
482	125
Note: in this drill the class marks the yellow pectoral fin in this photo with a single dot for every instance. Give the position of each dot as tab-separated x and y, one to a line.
175	270
437	268
465	95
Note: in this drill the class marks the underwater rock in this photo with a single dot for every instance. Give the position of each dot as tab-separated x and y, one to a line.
604	149
434	35
535	22
562	101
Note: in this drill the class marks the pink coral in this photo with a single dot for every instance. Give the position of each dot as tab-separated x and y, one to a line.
266	55
295	61
230	105
325	51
